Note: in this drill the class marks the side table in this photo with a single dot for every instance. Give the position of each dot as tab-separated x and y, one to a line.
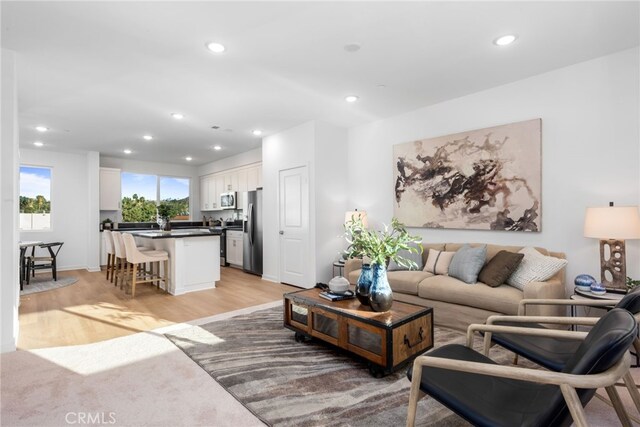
340	266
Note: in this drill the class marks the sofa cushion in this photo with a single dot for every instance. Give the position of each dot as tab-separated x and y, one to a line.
467	263
438	261
498	270
535	267
353	276
406	281
408	255
502	299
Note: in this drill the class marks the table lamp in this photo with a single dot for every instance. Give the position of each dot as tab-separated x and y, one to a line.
356	214
612	225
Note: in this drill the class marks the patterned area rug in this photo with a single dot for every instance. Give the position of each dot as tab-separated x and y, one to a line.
41	284
286	383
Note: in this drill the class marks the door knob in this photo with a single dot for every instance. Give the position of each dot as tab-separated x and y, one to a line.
281	232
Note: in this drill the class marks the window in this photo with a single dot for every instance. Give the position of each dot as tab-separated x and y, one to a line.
141	194
175	191
35	198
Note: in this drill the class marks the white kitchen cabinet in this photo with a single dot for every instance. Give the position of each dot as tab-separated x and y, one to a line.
252	178
234	247
242	187
259	172
220	188
231	181
110	193
205	203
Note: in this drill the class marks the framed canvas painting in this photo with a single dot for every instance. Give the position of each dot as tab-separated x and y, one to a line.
485	179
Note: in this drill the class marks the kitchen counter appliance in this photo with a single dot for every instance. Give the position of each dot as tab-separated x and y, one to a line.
228	200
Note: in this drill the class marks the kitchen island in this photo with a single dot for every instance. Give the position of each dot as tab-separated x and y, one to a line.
194	257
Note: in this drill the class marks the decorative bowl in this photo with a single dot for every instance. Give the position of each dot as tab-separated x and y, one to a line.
584	282
598	289
338	285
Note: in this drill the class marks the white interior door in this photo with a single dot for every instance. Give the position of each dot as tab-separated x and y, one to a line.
294	227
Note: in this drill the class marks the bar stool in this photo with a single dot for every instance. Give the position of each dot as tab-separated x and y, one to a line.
111	254
136	257
121	257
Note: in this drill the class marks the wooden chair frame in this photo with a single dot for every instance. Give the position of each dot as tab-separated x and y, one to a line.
568	383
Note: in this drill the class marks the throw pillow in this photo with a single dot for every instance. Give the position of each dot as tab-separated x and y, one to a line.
498	270
467	263
438	261
415	257
535	267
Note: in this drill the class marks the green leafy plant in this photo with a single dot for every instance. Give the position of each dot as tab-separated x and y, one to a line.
632	283
167	211
381	247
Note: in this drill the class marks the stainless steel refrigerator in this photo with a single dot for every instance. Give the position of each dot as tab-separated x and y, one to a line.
252	243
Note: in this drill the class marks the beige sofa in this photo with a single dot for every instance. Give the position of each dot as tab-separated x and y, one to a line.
457	304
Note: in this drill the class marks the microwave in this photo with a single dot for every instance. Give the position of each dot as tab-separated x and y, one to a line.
228	200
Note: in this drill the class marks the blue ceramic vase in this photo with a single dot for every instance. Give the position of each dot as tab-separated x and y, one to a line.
584	281
380	295
364	284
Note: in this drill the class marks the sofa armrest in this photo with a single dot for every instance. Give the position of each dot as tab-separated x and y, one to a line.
350	265
551	289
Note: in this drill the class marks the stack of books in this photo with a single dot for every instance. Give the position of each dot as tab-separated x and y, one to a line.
337	297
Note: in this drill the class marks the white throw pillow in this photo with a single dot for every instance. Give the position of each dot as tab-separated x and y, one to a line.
438	262
534	267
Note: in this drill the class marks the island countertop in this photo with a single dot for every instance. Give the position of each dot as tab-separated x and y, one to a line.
176	234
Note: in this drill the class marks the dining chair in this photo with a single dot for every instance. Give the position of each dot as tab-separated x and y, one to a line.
44	262
488	394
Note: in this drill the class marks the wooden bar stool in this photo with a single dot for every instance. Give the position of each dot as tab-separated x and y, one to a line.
136	257
111	254
121	265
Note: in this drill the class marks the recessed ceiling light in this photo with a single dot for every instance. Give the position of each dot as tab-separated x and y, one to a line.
148	137
217	147
126	151
188	158
42	128
352	47
215	47
177	116
351	98
257	132
38	144
505	40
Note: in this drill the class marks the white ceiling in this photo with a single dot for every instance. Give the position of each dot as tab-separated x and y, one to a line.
103	74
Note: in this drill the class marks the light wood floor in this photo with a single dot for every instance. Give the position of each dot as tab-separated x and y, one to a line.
94	310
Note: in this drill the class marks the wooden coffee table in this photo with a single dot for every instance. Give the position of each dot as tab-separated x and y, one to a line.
386	340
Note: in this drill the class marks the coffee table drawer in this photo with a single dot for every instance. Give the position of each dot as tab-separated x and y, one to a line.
412	338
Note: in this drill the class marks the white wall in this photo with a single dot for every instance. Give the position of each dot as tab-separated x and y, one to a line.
289	149
74	219
9	206
590	152
156	168
331	193
320	147
242	159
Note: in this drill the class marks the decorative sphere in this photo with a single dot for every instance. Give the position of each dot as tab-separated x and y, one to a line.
598	289
584	281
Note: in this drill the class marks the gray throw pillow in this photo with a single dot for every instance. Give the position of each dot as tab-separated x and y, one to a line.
467	263
415	257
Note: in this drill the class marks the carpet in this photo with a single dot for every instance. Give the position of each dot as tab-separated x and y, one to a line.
286	383
41	284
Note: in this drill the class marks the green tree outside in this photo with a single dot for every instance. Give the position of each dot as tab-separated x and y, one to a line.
36	204
138	209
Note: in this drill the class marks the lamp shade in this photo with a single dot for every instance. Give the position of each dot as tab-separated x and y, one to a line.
351	215
613	222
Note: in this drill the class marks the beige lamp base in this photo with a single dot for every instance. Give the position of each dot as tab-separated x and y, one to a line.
614	264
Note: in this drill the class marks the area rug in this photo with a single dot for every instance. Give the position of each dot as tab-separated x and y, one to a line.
41	284
286	383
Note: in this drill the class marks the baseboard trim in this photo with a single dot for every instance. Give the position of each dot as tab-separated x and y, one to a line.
93	269
270	279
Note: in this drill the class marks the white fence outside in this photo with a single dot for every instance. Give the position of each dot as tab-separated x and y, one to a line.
35	221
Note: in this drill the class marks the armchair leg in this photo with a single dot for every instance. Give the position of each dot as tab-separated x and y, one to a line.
618	406
574	404
415	395
633	389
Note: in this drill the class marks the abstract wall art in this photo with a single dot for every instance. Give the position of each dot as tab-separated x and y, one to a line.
485	179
